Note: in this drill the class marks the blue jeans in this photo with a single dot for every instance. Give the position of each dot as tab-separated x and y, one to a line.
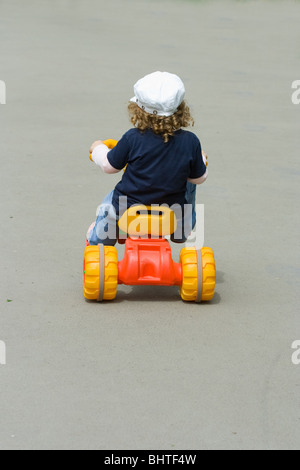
106	230
190	197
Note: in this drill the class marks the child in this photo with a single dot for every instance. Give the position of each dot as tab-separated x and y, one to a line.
164	161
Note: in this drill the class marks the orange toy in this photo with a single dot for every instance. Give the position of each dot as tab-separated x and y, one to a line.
148	261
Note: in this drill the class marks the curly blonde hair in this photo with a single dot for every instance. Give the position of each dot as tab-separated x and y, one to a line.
161	125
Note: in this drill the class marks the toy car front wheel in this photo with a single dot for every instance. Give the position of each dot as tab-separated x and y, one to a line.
100	273
199	274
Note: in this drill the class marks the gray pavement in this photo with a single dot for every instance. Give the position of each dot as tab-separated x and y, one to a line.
148	371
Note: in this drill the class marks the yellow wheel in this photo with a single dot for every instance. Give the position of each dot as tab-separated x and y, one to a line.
189	262
100	273
199	274
208	274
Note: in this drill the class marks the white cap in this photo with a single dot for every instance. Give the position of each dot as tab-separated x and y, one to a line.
159	93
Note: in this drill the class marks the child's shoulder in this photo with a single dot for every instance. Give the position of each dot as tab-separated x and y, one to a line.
131	133
188	137
188	134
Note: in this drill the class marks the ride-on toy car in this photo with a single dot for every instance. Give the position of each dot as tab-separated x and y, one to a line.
148	259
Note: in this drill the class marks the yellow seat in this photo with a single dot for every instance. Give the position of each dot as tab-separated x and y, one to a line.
155	221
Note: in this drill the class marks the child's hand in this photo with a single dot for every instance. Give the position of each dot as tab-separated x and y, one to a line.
94	145
205	158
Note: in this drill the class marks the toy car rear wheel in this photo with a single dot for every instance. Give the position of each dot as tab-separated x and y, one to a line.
100	273
199	274
208	274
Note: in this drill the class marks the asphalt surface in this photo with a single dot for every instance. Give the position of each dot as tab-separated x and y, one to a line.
149	371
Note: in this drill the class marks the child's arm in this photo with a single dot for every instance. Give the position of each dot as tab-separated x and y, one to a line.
98	152
202	178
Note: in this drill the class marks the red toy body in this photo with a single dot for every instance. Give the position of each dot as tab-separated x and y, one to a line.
149	262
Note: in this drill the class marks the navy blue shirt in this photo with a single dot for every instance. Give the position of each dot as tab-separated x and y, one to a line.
157	172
